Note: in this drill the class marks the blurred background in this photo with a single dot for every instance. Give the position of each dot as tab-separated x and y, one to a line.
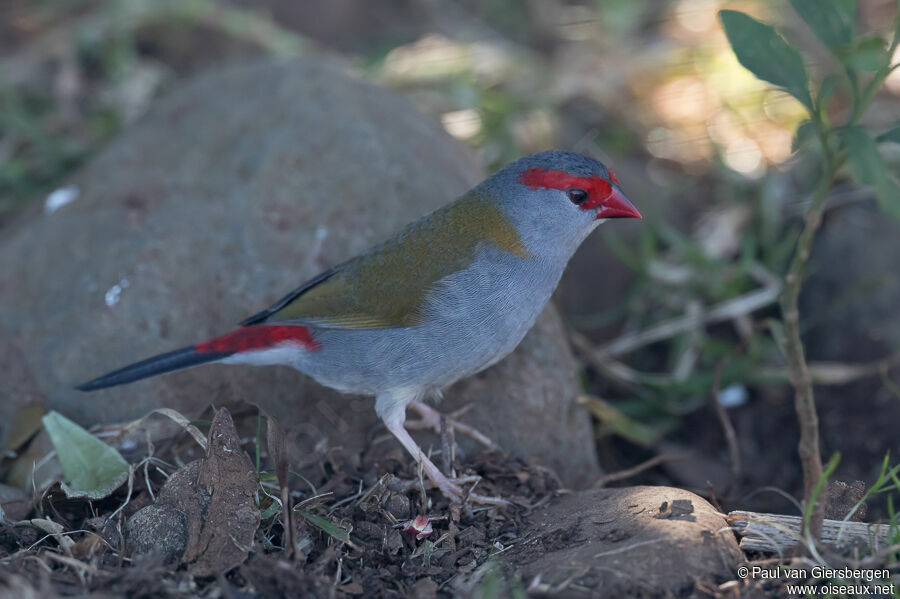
672	317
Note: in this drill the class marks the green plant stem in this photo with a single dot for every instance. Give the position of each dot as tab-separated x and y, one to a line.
861	102
798	371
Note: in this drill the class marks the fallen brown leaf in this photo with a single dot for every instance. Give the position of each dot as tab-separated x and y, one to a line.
206	514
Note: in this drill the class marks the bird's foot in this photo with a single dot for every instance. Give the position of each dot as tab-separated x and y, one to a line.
429	418
453	490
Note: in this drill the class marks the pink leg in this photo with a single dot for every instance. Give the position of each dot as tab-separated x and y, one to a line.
431	418
392	410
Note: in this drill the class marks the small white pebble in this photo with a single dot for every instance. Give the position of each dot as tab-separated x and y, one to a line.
59	198
114	294
733	396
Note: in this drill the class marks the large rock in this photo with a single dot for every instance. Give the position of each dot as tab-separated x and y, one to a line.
849	313
235	188
630	542
852	290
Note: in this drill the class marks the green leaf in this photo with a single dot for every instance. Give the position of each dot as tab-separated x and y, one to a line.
888	195
896	26
427	552
327	526
829	84
270	511
764	53
867	168
92	468
869	54
833	21
866	165
805	132
892	134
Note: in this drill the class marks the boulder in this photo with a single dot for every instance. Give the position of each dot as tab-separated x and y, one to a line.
235	188
628	542
852	289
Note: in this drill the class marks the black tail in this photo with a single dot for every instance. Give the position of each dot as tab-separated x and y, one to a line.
173	360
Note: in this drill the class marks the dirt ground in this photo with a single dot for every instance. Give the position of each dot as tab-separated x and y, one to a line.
364	548
210	523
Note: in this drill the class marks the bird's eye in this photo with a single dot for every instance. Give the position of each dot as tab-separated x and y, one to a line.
577	195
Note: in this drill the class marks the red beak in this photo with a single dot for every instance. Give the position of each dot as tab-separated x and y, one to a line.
617	206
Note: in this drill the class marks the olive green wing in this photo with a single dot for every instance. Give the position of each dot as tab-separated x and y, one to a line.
387	286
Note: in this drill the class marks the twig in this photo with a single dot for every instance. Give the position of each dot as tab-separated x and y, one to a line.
614	369
798	370
685	363
727	427
823	373
841	373
727	310
290	530
127	497
891	385
445	433
635	470
777	532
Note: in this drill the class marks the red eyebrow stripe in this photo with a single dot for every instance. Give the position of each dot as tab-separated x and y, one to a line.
598	189
612	177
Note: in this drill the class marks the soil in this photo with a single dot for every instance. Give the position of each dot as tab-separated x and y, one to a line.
145	550
195	530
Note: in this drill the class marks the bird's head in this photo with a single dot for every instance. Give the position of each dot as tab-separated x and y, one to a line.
558	197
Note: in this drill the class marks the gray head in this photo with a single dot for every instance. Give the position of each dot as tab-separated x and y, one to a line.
556	198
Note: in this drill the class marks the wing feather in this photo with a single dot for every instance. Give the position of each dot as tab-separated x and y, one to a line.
387	286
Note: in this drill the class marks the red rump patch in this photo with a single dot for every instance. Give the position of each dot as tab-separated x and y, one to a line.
258	337
598	189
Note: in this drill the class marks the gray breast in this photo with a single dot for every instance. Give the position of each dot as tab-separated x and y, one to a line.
474	318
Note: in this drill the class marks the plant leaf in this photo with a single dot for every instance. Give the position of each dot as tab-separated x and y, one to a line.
327	526
92	468
766	54
892	134
278	453
866	165
829	84
833	21
869	54
888	195
867	168
270	511
805	132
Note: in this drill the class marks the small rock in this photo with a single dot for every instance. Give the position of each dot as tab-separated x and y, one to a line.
841	497
398	506
393	542
679	508
156	535
425	588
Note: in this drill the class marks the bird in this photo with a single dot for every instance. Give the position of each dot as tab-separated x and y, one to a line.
447	296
